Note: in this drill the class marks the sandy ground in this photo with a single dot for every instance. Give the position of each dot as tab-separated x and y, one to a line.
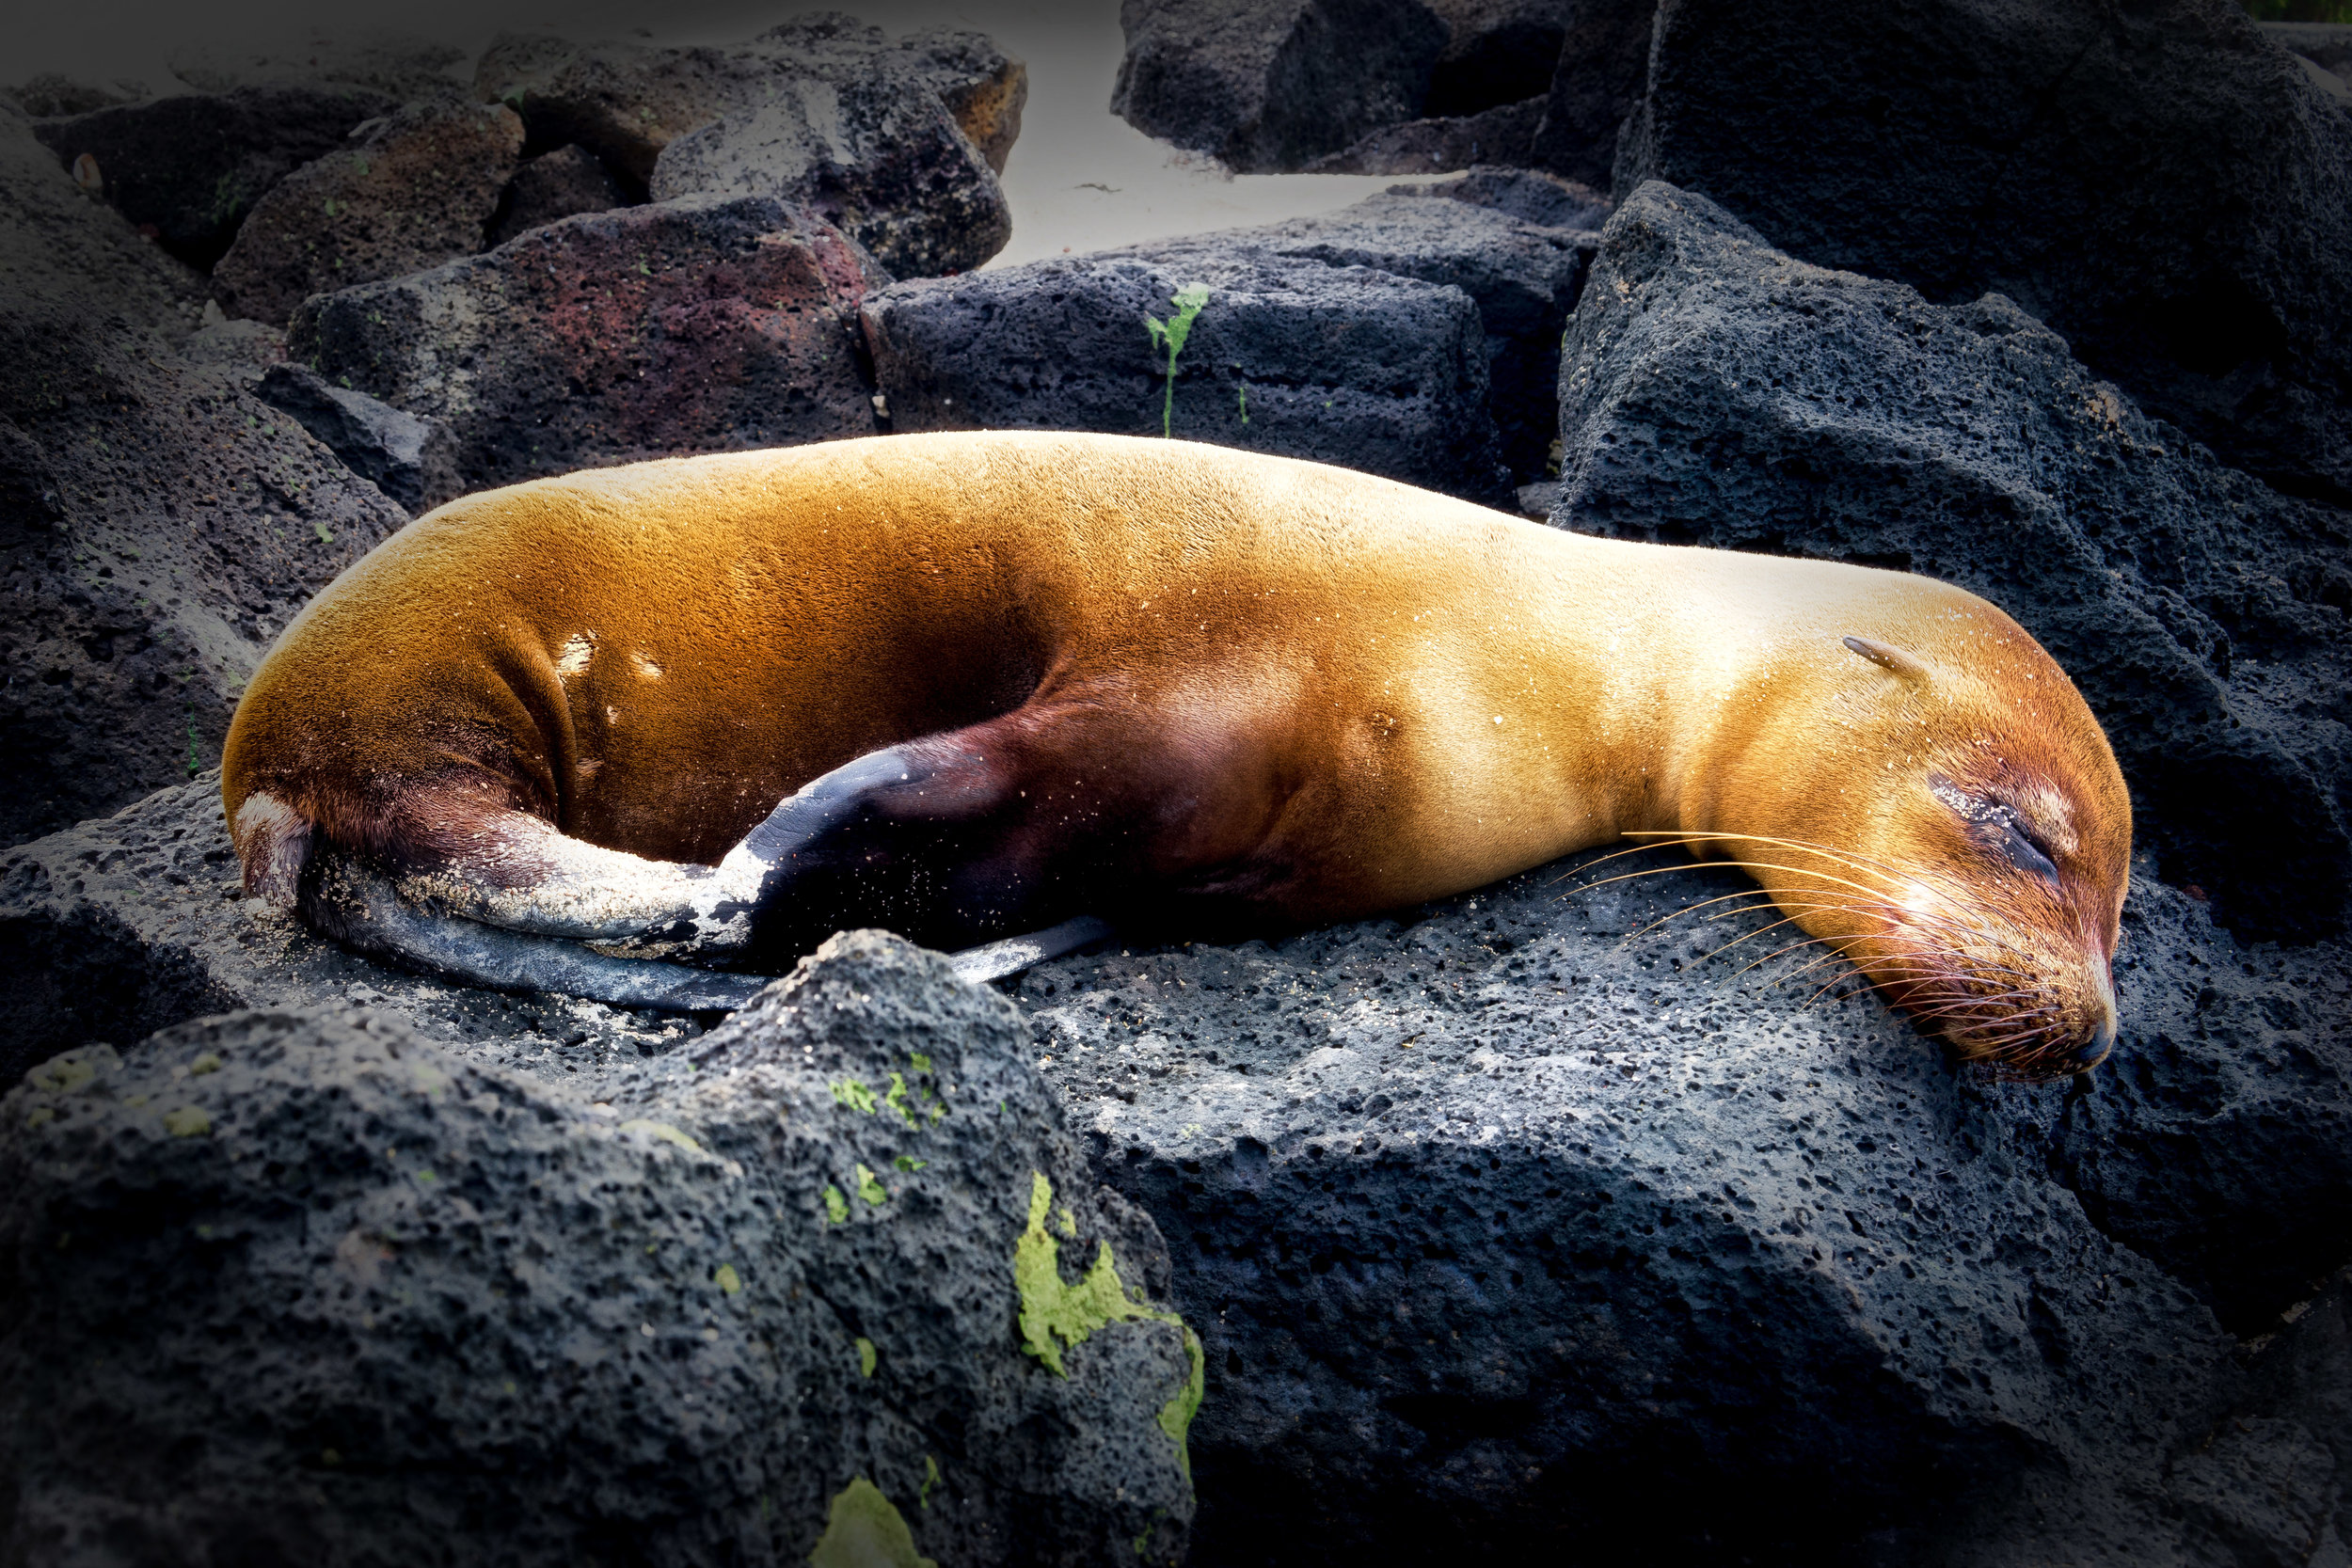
1080	178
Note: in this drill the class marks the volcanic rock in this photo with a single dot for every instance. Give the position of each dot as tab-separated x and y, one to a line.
51	93
1499	136
1717	391
376	441
404	67
1274	84
1340	364
281	1285
702	325
2164	187
190	168
1604	64
1496	52
981	85
551	187
880	159
410	191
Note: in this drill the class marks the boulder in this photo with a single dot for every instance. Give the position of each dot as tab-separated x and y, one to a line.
51	93
1524	1228
405	67
157	526
2326	44
625	101
1265	84
553	185
1603	63
245	345
1440	145
187	170
878	158
376	441
1340	364
412	190
2167	187
981	85
1715	390
702	325
834	1286
1496	52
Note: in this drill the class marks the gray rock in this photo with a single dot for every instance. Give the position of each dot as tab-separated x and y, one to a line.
376	441
1339	364
1519	1227
157	526
553	186
701	325
2168	187
625	101
1604	64
407	192
1500	136
138	922
405	67
1273	83
2327	45
982	86
280	1285
1714	390
243	345
51	93
1496	52
879	157
188	168
1531	196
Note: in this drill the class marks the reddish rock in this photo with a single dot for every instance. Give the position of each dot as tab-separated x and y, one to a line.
984	87
417	188
702	325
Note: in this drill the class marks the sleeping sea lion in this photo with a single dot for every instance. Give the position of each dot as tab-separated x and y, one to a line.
601	733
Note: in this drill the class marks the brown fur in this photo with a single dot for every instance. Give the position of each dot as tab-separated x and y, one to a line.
1314	693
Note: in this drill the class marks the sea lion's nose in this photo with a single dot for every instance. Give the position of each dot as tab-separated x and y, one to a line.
2094	1049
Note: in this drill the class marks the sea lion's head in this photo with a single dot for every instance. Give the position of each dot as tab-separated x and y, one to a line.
1952	819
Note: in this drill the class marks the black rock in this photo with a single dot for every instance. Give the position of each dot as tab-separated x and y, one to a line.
51	93
982	86
1603	63
1274	84
1714	390
2164	185
279	1286
553	186
1340	364
375	440
190	168
1498	136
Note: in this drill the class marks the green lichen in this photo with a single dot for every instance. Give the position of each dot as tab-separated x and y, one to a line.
870	1190
896	1100
1069	1223
854	1095
664	1131
729	1282
867	1356
837	1207
864	1530
204	1064
931	1479
188	1121
62	1074
39	1115
908	1162
1052	1308
922	1063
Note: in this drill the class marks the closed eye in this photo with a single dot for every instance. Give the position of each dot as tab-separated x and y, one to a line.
1997	827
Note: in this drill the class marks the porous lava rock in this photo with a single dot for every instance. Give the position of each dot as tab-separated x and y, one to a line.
1524	1227
188	168
374	439
2164	185
412	190
1496	52
157	526
1500	137
1604	64
405	67
834	1285
1265	84
1340	364
625	101
702	324
550	187
878	157
1716	390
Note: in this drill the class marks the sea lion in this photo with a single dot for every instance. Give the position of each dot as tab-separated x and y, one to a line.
564	734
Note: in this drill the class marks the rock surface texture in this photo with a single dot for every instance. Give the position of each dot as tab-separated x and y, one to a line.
413	190
1274	84
190	168
550	187
702	324
1716	391
402	66
836	1286
2164	185
374	439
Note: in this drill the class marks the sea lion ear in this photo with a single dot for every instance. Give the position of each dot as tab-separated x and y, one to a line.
1886	656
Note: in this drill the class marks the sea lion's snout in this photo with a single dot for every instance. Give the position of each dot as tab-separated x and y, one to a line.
2096	1049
